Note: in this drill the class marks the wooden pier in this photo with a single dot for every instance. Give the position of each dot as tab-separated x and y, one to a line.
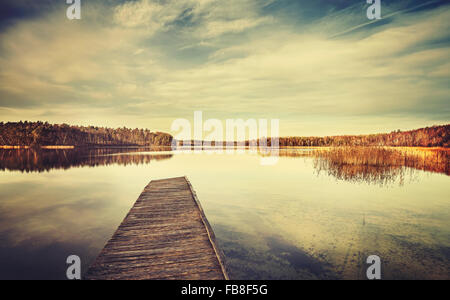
164	236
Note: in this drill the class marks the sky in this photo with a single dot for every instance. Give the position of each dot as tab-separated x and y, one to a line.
320	67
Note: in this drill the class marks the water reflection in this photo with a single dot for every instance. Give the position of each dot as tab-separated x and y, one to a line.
273	222
378	165
39	160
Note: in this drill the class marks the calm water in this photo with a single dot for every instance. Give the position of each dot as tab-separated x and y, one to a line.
286	221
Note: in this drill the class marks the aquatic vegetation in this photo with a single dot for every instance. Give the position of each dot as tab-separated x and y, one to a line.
379	164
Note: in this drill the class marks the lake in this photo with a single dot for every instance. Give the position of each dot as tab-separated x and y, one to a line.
305	217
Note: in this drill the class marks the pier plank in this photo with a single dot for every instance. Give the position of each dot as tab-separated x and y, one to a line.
165	235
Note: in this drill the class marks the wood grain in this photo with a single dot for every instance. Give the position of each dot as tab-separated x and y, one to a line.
164	236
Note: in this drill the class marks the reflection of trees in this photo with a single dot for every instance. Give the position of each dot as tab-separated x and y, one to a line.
34	160
379	164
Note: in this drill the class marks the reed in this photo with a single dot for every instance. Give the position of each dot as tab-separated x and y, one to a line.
380	164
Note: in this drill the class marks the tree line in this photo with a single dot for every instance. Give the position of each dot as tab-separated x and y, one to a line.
45	134
435	136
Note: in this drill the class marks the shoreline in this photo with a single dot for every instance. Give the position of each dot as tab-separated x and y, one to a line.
42	147
181	147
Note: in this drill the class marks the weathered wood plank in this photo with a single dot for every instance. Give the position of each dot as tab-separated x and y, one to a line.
164	236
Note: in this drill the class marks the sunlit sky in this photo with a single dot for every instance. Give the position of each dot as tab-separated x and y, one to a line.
321	67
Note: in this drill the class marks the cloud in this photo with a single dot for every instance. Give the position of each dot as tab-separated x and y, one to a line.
216	28
207	18
142	13
144	63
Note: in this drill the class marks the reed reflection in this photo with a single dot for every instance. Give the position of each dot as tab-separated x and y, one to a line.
380	165
40	160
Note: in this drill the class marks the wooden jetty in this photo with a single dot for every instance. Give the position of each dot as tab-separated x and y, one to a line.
164	236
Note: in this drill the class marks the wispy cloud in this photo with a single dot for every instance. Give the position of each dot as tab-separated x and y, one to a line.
144	63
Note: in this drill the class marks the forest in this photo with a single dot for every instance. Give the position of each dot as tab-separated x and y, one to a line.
36	134
435	136
45	134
